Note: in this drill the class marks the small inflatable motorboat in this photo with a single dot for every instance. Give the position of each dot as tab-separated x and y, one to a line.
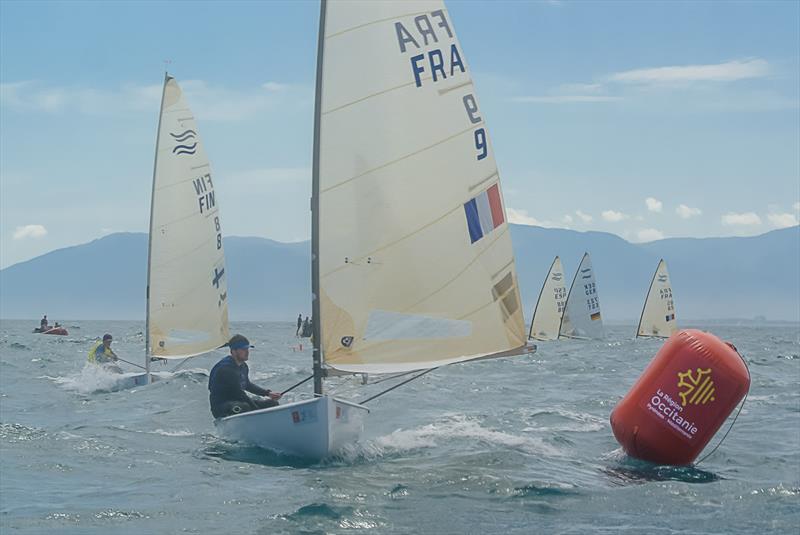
52	330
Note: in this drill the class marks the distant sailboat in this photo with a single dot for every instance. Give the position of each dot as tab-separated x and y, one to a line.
187	291
582	317
550	305
658	313
412	263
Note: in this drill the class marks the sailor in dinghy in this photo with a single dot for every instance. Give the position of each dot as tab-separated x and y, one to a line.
229	382
102	355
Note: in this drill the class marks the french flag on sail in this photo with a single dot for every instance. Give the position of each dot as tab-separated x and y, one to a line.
484	213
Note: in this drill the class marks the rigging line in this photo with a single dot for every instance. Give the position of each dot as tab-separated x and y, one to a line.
131	363
379	381
184	361
396	386
298	384
706	456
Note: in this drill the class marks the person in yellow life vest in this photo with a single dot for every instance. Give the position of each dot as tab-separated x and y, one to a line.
101	352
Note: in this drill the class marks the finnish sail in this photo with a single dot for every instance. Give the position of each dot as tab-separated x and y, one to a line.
582	317
188	291
416	267
658	314
550	305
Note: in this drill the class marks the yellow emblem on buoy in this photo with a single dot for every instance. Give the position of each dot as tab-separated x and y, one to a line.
699	387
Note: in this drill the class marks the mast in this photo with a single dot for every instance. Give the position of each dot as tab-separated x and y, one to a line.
150	237
315	296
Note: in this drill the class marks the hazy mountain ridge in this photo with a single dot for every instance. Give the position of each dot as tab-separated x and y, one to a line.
269	280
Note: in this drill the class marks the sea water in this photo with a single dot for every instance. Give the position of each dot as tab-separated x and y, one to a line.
517	445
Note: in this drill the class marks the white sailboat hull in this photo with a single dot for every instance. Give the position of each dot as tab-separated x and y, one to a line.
311	429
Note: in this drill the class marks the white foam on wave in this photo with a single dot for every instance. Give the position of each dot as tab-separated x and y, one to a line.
168	433
580	422
92	379
454	427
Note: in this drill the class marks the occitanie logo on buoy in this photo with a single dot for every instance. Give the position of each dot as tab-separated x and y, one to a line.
697	389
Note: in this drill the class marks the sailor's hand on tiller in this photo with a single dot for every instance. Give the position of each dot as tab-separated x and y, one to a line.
275	396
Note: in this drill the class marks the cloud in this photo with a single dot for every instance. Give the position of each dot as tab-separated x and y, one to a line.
782	220
649	234
30	231
720	72
274	86
567	219
30	96
685	212
586	218
746	218
796	206
614	216
521	217
561	99
653	204
211	102
567	93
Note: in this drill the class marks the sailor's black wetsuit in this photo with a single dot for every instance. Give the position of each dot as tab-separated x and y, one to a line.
228	384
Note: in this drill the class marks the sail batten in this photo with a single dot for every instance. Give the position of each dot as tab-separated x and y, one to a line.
658	313
187	312
416	268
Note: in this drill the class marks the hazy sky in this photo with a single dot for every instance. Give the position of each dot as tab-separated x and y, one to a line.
644	119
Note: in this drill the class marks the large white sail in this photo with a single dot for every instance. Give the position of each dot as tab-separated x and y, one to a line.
187	283
582	312
416	267
658	314
550	305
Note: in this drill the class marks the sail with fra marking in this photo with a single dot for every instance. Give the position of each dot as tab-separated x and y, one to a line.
416	267
550	306
582	317
187	311
658	313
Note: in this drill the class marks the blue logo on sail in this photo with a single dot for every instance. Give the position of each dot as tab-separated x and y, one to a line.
186	142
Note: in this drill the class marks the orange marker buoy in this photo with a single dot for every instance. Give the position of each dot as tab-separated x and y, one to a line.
682	398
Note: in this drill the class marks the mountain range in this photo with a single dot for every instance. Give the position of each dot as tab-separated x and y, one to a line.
267	280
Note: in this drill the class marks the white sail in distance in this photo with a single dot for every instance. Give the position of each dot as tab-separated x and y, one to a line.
658	313
582	317
187	283
550	305
416	267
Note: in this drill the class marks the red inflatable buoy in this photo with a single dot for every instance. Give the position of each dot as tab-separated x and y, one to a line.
682	398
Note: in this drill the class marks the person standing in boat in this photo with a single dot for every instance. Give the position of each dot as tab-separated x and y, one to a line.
43	323
229	382
101	352
299	324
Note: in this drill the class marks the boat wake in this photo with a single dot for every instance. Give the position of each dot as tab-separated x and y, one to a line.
452	428
94	379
